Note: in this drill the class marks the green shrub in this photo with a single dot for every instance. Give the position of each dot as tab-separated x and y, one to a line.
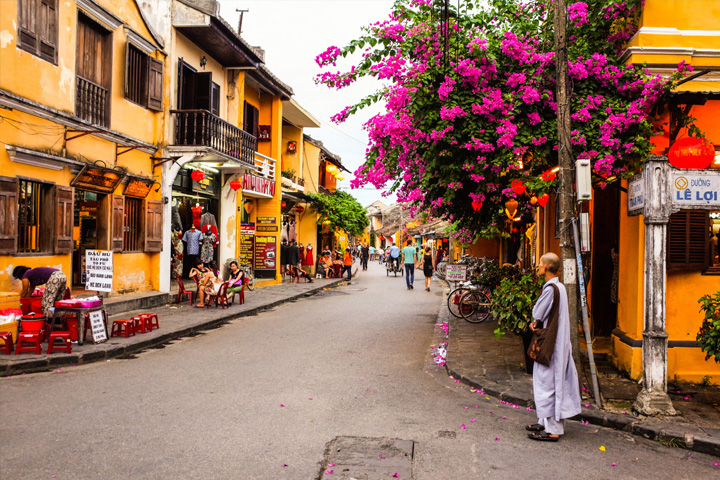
709	335
513	301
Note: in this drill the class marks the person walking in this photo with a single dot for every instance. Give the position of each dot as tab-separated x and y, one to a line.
428	268
381	255
372	253
364	255
347	264
555	384
409	254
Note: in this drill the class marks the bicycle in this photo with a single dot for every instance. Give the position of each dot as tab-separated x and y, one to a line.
249	275
475	305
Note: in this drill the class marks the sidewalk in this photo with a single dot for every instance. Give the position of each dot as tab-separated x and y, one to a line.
175	321
496	367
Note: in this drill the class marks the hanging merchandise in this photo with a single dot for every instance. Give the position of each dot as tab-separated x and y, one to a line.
542	201
518	186
477	205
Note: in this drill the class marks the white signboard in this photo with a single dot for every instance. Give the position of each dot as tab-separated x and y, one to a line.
695	190
99	266
636	196
455	272
98	327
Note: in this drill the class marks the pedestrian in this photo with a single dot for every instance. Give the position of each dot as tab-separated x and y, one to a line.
347	264
381	255
409	254
395	256
555	385
372	253
55	282
364	255
428	268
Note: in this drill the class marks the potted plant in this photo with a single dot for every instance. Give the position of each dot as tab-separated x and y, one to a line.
289	173
512	304
708	337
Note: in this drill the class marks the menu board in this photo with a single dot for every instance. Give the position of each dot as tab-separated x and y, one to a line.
98	327
265	253
247	243
99	270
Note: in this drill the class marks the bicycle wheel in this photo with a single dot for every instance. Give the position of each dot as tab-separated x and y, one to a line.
475	306
440	270
453	300
251	281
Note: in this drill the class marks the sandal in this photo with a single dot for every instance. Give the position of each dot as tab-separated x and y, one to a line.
200	306
535	427
543	437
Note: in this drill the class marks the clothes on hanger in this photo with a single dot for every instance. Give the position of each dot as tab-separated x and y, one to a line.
284	231
308	255
193	237
178	254
176	219
292	234
212	229
208	219
196	213
207	252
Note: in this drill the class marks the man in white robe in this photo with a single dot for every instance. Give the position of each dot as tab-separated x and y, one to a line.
555	387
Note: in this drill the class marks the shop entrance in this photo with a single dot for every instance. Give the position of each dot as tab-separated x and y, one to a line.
90	230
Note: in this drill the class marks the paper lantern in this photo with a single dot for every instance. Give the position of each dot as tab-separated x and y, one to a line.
511	207
533	200
332	169
548	175
283	204
340	176
236	185
517	186
249	206
476	205
197	175
691	152
542	201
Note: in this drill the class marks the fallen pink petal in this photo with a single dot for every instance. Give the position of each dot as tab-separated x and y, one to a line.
463	426
331	465
396	476
285	464
613	464
282	404
329	472
497	439
472	419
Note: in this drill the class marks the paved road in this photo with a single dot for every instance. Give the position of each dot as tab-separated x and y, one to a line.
354	361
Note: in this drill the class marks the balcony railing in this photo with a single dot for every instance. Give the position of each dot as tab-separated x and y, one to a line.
91	101
265	166
202	128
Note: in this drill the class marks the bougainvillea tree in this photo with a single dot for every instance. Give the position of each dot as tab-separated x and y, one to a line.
470	117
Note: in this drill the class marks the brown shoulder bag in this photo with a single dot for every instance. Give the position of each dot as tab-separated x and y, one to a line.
542	344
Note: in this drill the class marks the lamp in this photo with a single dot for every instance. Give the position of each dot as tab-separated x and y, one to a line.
331	169
511	207
291	147
340	176
203	62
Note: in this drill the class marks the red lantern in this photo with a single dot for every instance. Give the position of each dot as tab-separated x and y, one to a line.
477	205
236	185
197	175
548	175
542	201
283	204
517	186
691	152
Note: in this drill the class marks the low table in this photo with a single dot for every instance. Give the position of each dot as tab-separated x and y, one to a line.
81	314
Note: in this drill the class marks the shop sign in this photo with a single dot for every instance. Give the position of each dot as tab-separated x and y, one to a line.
456	272
97	179
267	220
98	327
247	247
247	229
701	189
138	187
99	270
265	252
267	228
636	196
253	183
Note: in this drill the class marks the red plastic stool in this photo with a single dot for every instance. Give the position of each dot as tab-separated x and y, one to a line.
123	327
7	338
151	321
65	344
29	342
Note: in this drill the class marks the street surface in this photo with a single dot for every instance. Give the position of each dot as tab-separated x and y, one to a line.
262	397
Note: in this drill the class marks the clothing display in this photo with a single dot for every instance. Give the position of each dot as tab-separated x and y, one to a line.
193	237
212	229
208	218
302	253
178	254
283	254
284	232
308	260
208	250
196	213
176	218
292	234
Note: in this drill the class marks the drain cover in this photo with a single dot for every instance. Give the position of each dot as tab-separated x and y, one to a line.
364	458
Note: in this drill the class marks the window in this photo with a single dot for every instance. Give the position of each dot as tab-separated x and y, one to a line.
94	71
251	119
143	78
34	218
37	28
692	240
132	232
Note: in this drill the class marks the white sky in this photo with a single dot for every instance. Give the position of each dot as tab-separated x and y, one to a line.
293	33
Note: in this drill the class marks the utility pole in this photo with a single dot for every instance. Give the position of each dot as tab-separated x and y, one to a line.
566	197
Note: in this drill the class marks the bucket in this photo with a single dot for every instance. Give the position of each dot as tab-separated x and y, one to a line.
30	305
72	327
32	322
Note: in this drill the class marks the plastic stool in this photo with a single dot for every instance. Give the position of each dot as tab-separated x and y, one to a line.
65	344
7	338
29	342
151	321
123	327
140	323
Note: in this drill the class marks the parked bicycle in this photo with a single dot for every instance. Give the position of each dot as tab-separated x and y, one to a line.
249	275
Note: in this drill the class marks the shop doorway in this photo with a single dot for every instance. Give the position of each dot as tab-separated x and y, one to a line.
604	275
90	230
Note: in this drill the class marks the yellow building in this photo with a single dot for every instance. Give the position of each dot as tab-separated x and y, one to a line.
82	92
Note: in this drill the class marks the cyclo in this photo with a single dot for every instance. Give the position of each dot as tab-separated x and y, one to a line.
392	265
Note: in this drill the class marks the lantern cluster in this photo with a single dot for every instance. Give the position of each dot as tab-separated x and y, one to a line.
335	171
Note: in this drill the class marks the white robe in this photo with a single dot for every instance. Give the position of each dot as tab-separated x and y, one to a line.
556	387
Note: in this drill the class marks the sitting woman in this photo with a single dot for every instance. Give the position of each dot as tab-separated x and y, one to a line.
325	265
299	272
236	281
206	281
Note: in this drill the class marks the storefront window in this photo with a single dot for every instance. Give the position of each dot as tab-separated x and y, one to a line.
35	220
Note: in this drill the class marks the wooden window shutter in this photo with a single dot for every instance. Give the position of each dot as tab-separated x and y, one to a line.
215	100
155	85
64	210
27	29
256	122
117	223
153	226
47	29
687	239
8	214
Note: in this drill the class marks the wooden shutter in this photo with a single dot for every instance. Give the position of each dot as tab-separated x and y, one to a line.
47	30
155	85
687	239
215	100
27	28
64	210
117	223
8	214
153	226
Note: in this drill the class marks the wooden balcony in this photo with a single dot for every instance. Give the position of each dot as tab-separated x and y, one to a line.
91	102
202	128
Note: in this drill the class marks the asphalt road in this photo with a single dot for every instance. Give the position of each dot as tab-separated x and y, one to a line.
242	401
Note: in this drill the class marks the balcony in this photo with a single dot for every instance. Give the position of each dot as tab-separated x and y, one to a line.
201	128
91	102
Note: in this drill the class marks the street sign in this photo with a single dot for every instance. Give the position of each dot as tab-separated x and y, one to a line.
636	196
698	189
456	272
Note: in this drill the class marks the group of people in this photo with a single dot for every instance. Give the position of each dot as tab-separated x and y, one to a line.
339	263
293	257
210	281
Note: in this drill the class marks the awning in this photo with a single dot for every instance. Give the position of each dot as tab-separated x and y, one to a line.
389	230
297	197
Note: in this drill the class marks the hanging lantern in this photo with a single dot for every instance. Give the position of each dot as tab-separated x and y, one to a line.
197	175
249	206
533	200
340	176
548	175
477	205
691	152
283	204
236	185
542	201
332	169
517	186
511	207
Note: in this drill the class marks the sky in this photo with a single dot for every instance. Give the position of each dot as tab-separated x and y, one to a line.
293	33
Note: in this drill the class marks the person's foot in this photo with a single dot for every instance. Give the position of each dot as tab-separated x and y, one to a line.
543	437
412	286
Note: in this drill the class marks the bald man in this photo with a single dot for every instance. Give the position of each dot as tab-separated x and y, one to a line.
555	386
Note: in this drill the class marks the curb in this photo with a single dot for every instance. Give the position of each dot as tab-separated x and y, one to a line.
696	441
106	352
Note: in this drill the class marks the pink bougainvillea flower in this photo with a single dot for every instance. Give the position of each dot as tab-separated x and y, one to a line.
285	464
504	418
463	426
396	475
613	464
331	464
382	458
472	420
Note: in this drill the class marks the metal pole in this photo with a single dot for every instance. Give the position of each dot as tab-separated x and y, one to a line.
586	324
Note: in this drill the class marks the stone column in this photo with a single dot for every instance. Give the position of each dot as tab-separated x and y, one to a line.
653	399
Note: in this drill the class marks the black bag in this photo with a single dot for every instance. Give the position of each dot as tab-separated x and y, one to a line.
542	344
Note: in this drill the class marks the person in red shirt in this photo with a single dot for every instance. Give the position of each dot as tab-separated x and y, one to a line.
347	264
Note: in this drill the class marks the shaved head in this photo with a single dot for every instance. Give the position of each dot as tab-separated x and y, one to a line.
552	262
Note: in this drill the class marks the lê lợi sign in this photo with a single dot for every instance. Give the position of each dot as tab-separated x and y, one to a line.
700	189
99	270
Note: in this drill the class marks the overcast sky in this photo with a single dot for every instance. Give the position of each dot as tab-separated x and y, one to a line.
293	33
